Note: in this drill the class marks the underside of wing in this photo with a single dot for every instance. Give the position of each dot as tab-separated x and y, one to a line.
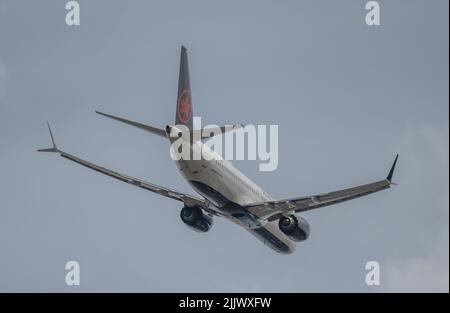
272	210
187	199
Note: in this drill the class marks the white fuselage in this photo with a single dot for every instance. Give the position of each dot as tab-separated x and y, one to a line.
229	191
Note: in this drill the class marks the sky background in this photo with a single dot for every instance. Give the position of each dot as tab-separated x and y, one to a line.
347	97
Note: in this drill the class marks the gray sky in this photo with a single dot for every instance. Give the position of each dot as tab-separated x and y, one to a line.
347	98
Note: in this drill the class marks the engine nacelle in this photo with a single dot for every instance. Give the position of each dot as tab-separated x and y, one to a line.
195	219
295	227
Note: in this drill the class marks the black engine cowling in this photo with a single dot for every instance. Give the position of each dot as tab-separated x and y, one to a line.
196	219
295	227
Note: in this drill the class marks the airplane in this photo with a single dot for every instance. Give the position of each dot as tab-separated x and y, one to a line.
223	190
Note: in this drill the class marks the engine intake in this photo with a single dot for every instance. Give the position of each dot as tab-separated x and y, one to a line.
195	219
296	228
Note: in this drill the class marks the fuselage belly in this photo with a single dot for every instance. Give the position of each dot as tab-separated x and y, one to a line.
229	190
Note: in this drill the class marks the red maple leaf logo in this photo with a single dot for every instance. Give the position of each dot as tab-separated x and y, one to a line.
184	107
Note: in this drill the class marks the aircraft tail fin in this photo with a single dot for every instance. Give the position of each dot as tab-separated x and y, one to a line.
184	100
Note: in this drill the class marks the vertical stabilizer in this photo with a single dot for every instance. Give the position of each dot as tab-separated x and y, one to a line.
184	99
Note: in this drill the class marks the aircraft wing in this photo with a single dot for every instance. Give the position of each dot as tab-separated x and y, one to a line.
272	210
187	199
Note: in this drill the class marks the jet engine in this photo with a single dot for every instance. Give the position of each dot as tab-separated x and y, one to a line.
195	219
294	227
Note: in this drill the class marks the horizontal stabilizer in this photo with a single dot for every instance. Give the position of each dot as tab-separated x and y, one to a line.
151	129
210	132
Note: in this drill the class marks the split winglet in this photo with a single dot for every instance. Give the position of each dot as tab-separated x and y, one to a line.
54	148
